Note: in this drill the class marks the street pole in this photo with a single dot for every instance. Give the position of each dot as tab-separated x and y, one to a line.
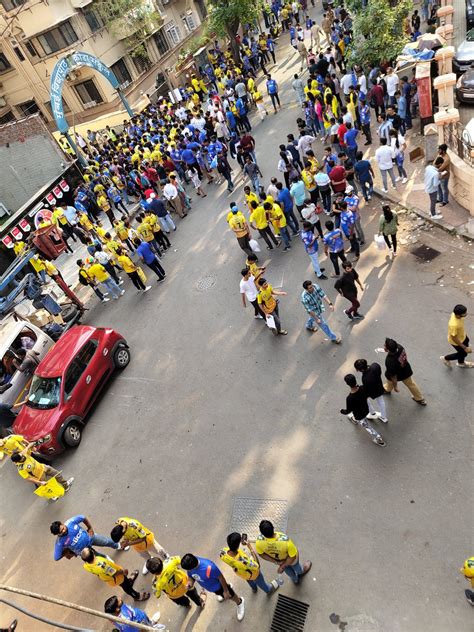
125	103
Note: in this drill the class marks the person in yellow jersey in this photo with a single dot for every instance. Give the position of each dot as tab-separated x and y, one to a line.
252	264
38	266
131	270
103	203
131	532
159	234
240	228
111	573
278	220
458	339
244	565
468	571
259	221
85	222
15	443
99	274
19	248
35	472
145	232
258	99
309	181
269	305
171	579
250	196
277	548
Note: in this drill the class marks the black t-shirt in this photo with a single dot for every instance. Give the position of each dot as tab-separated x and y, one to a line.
346	284
322	66
356	403
397	365
372	381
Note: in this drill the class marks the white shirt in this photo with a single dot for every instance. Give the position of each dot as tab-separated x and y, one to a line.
362	81
392	82
249	288
304	143
346	82
199	123
181	113
170	191
309	213
347	118
273	191
102	257
383	155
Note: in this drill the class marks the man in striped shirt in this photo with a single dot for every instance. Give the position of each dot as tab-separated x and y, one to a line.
313	299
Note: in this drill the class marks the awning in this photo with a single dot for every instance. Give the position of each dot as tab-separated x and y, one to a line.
39	26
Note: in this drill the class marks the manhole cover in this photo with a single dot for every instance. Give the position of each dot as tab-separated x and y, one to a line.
425	253
289	616
247	514
206	283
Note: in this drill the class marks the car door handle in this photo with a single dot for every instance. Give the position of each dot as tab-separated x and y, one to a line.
88	379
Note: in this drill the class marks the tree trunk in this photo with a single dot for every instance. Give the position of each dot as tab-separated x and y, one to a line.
232	29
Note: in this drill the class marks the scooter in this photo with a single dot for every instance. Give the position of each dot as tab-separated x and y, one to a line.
375	436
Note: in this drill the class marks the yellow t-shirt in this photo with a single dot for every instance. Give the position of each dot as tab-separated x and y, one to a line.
259	217
13	443
98	188
103	202
238	224
456	329
30	468
242	564
127	264
50	268
253	267
279	548
105	569
135	530
85	221
266	298
58	217
173	580
98	272
145	231
112	246
37	263
308	179
153	222
19	247
121	230
251	197
278	217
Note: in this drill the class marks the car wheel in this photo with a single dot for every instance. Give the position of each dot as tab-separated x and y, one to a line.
122	357
72	434
69	312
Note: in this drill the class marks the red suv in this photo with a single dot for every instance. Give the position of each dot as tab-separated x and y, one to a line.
65	385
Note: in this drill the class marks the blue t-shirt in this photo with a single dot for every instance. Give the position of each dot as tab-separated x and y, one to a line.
206	574
350	137
76	538
307	237
285	197
272	86
145	251
298	191
362	169
188	157
129	613
347	222
334	241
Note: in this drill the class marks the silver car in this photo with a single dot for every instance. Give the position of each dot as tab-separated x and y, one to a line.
465	54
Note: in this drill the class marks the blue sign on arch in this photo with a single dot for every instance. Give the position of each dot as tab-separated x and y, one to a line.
61	71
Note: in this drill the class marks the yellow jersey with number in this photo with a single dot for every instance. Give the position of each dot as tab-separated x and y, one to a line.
242	564
279	547
105	569
173	580
135	530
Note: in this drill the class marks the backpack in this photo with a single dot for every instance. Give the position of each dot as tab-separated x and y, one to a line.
82	279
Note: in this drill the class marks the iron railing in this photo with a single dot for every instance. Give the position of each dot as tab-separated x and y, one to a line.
460	141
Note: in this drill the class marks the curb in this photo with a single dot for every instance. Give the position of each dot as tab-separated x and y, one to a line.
449	228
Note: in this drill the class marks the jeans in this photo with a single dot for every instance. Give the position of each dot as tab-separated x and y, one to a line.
394	241
433	200
384	177
411	385
275	99
292	221
111	270
255	183
351	152
401	171
443	192
167	223
367	187
157	269
294	572
112	287
276	317
98	293
334	258
460	354
380	403
103	540
260	582
315	261
312	322
326	199
358	229
285	235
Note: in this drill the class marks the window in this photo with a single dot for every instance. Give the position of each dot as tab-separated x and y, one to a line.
7	118
161	42
120	70
56	39
31	49
28	107
78	366
173	33
93	19
19	53
44	392
189	22
9	5
88	93
4	63
47	106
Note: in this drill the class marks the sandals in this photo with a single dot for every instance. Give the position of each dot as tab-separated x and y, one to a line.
203	597
143	596
134	575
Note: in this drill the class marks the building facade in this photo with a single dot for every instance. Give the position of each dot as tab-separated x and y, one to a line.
34	34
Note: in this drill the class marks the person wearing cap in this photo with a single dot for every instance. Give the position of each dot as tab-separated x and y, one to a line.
468	571
240	228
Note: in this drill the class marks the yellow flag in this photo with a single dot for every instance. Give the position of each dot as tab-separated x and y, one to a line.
52	489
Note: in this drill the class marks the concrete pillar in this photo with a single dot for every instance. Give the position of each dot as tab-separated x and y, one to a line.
445	117
444	84
444	57
431	135
446	31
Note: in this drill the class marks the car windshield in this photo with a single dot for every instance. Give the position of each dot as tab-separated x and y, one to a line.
470	35
44	392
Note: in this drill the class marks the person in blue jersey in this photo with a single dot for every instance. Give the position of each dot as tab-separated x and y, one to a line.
118	608
72	538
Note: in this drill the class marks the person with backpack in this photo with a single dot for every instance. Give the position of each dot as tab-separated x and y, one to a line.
85	279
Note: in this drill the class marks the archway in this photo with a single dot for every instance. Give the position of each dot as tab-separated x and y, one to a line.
62	69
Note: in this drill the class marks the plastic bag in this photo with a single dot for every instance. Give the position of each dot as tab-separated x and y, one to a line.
142	275
380	242
270	322
255	245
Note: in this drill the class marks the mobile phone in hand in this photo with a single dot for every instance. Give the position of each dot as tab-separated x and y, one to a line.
244	538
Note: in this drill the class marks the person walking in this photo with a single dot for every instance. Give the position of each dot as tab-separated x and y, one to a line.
251	169
334	246
72	538
171	579
298	86
85	279
157	206
38	473
365	174
249	292
313	299
388	227
444	169
346	286
269	304
118	608
398	369
111	573
310	242
272	91
373	385
431	182
468	571
259	221
277	548
131	532
98	273
210	578
383	156
149	258
132	271
458	339
244	565
357	408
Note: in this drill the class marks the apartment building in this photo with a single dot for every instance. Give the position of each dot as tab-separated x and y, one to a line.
34	34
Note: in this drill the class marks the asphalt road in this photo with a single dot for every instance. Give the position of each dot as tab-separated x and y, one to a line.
213	407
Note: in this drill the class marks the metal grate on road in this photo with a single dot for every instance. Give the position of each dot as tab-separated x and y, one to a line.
206	283
248	512
289	616
425	253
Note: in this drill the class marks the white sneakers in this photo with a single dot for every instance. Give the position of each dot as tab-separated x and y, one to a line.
385	190
437	216
405	180
241	609
148	287
377	416
144	569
